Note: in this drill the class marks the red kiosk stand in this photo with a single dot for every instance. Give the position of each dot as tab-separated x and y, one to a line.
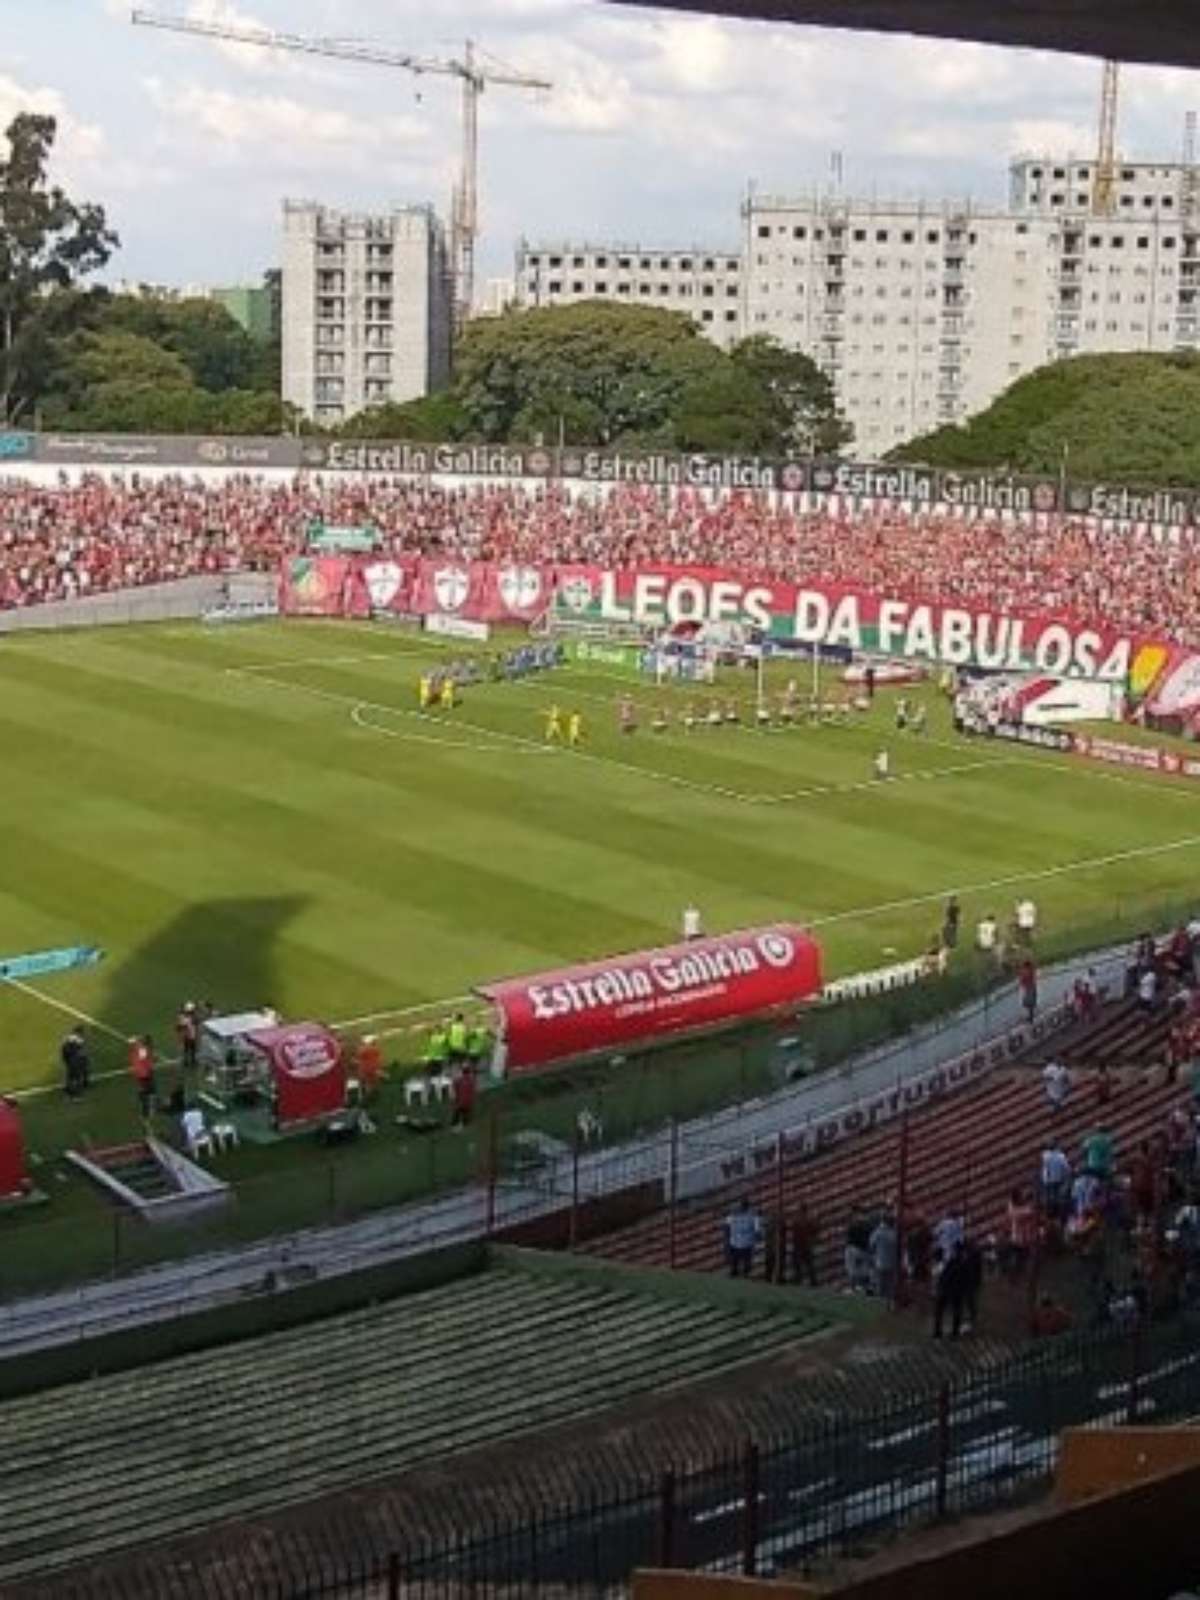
555	1017
306	1069
15	1182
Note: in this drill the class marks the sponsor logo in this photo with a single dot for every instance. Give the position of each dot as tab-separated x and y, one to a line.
520	587
538	463
309	1056
313	455
776	949
572	464
792	477
824	478
451	585
214	451
385	580
15	446
1045	496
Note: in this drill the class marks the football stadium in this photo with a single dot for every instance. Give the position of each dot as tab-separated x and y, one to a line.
612	1016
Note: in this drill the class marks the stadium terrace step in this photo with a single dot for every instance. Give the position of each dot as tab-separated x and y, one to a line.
967	1151
257	1426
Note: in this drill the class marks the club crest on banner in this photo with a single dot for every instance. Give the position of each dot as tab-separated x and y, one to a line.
576	593
451	585
520	587
384	581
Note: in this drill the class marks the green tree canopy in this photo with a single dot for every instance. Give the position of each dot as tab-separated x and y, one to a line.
48	244
1128	418
602	373
217	350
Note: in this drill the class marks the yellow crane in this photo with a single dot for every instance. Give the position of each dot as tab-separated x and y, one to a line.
1104	189
474	78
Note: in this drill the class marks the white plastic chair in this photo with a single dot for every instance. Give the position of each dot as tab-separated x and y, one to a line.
416	1091
441	1085
201	1144
225	1136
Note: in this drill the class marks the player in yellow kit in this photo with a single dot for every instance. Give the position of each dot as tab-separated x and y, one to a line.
424	691
575	729
554	731
449	693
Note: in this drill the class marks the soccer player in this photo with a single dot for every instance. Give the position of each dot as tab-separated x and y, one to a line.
660	721
918	718
901	714
626	715
424	691
883	765
554	726
575	729
763	714
449	693
714	715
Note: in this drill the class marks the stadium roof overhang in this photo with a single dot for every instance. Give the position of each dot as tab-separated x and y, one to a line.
1164	32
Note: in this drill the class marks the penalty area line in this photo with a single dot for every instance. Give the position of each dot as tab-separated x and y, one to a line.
67	1010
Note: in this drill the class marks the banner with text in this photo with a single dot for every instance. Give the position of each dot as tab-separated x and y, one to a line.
827	616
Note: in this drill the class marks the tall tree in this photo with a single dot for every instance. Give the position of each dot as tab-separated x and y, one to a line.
802	395
48	244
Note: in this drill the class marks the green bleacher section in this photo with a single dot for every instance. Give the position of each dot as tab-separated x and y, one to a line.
139	1457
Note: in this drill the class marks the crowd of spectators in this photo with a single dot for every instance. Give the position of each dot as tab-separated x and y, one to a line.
63	541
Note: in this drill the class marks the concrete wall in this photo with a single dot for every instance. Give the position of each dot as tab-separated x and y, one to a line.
185	599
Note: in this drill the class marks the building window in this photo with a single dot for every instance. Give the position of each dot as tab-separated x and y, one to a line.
577	286
731	316
860	235
601	261
881	235
643	288
601	286
763	231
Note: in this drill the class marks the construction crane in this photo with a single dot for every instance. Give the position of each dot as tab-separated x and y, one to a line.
474	78
1104	189
1190	187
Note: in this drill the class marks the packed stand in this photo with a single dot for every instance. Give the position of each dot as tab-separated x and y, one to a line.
66	541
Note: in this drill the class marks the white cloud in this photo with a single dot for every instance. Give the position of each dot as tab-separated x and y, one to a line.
265	125
78	143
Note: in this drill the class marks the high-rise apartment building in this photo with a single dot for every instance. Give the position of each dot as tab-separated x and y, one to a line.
922	314
366	308
705	284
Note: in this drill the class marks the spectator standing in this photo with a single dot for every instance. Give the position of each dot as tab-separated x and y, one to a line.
1056	1081
464	1097
1027	984
187	1032
1056	1181
1022	1233
951	1293
858	1250
805	1232
77	1066
141	1068
883	1246
743	1229
950	922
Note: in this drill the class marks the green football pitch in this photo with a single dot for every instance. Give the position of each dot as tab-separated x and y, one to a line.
261	814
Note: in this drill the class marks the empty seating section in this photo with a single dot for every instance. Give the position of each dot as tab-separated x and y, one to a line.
969	1149
1119	1035
174	1448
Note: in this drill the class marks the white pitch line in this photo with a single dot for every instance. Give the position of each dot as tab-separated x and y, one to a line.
864	912
360	721
67	1010
404	1011
1085	864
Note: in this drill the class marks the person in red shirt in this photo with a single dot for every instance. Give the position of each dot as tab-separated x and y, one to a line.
141	1067
464	1098
368	1065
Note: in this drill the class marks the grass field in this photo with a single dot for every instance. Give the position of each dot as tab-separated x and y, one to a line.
259	813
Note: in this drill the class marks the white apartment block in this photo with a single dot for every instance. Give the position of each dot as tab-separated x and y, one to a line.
366	312
921	314
703	283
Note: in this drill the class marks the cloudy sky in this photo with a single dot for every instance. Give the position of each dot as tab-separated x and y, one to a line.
654	127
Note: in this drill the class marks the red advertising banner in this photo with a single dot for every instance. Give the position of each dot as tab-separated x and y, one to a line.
307	1068
1142	757
554	1016
916	629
